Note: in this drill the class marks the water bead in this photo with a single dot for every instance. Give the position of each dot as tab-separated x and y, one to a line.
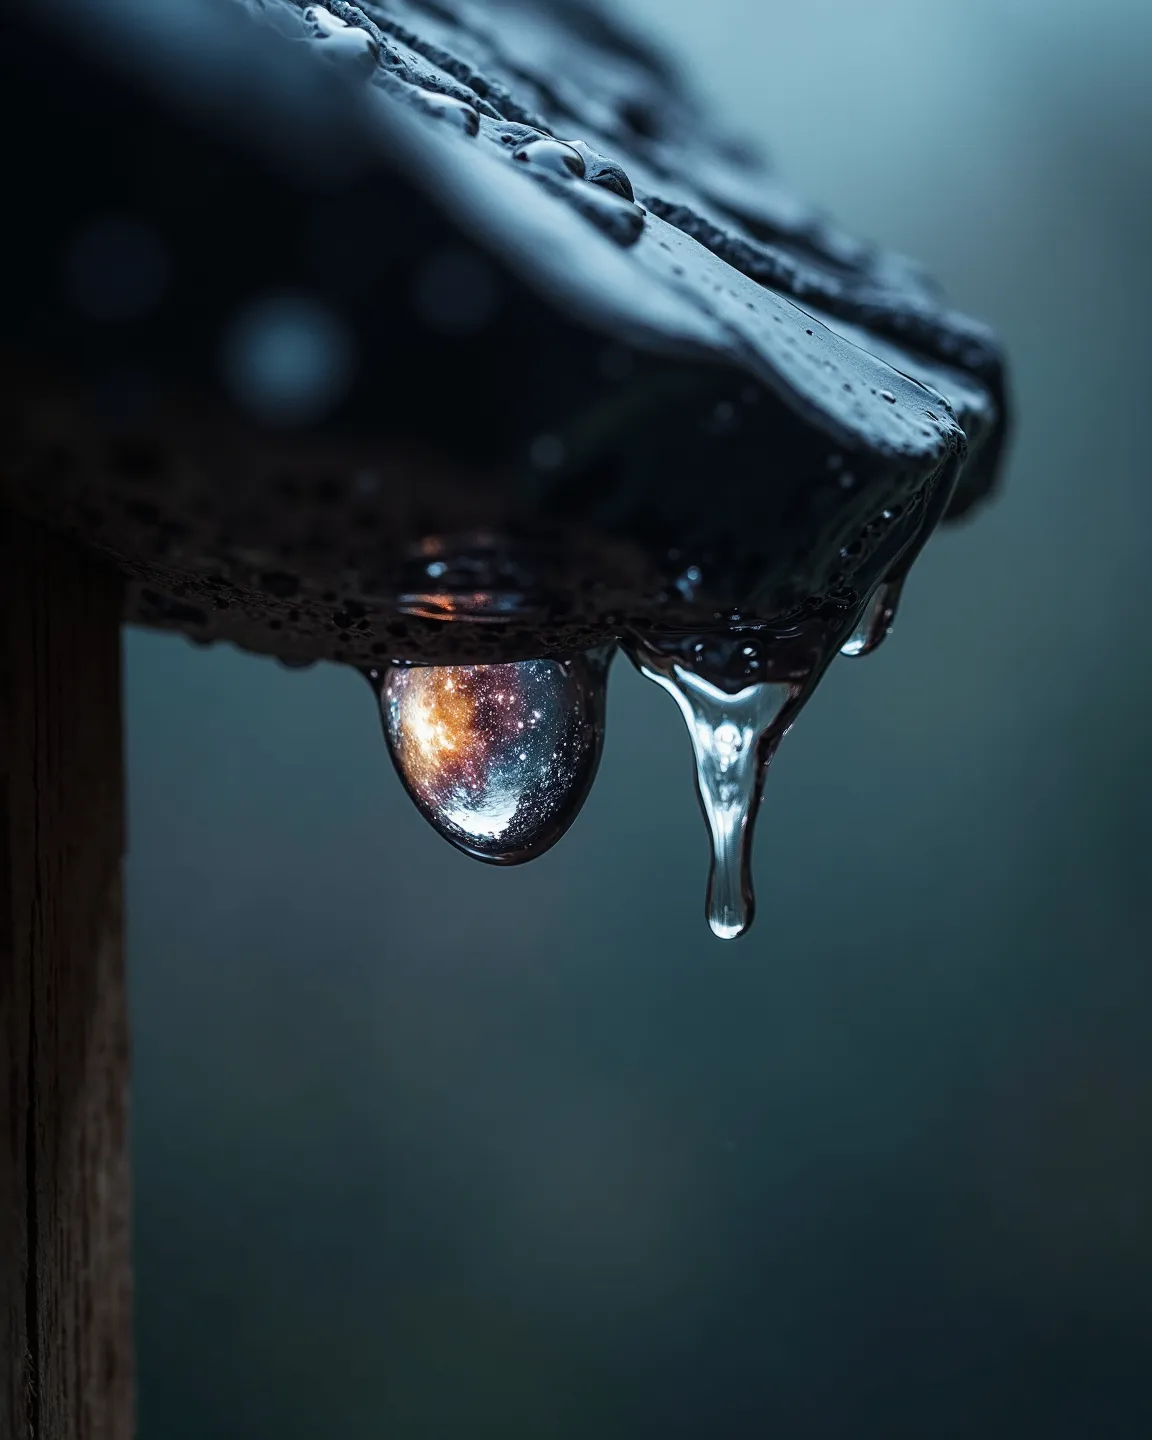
498	758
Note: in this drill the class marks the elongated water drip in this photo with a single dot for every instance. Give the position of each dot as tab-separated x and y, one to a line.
734	736
498	758
876	619
879	613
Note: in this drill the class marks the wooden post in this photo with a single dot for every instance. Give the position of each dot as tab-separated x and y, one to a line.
65	1292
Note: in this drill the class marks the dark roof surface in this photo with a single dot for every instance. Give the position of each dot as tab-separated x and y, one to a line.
308	293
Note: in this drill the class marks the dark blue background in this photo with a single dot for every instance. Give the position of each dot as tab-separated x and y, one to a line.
430	1151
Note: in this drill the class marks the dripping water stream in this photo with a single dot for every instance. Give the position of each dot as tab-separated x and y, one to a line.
733	740
876	619
734	734
499	758
878	616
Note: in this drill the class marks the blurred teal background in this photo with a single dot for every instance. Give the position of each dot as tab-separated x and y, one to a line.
430	1151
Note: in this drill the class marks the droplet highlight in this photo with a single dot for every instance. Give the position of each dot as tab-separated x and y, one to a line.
475	607
447	108
341	43
877	618
465	579
498	758
552	156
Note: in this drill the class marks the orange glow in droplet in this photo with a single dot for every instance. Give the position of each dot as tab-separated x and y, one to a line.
441	719
497	757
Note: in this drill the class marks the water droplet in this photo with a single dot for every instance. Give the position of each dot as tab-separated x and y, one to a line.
876	619
446	107
323	22
600	170
888	395
878	616
620	219
553	156
605	200
498	758
340	42
733	738
614	180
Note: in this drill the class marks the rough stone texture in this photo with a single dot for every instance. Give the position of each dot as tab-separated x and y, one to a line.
65	1293
581	344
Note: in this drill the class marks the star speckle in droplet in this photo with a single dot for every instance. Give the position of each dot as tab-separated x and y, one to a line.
499	758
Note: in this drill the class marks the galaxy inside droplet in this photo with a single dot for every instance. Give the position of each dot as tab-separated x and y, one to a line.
499	758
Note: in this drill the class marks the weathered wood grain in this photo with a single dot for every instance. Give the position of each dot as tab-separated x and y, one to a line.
65	1291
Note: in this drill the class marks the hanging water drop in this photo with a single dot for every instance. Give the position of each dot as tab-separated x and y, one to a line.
876	619
875	622
498	758
734	737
